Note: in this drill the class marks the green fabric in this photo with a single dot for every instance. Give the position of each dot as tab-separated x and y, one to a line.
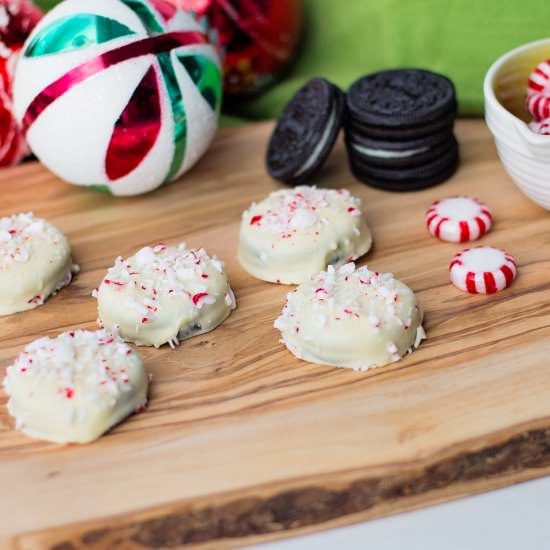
344	39
459	38
46	4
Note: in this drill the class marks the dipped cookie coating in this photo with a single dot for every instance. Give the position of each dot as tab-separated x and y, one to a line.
295	233
35	262
165	294
352	318
73	388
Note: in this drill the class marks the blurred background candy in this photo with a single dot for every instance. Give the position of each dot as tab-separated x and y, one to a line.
259	38
17	19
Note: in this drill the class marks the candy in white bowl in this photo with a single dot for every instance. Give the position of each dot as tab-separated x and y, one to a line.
524	153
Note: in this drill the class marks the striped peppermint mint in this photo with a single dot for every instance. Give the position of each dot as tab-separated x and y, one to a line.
538	92
458	219
483	270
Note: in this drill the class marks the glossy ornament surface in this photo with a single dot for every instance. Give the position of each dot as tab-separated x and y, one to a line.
123	95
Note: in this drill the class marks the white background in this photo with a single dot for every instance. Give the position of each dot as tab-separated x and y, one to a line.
517	517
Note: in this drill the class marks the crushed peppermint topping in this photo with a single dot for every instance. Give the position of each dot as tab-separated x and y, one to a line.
384	307
16	235
338	294
287	211
392	348
202	298
163	270
95	366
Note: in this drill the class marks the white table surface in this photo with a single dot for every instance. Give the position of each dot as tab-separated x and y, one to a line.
513	518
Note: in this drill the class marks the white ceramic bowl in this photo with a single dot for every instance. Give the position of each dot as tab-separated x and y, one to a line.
525	155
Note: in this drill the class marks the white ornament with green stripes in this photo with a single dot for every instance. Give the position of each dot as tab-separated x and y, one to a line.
122	95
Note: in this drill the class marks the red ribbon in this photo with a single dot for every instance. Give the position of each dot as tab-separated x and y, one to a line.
151	45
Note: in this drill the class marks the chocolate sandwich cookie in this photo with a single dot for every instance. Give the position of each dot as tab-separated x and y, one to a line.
400	98
305	132
399	129
442	124
399	154
407	179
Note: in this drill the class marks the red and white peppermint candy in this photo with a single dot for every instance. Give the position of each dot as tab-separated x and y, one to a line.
539	81
483	270
539	106
541	127
459	219
538	92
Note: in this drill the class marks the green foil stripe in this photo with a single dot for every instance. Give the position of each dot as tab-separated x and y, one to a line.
178	113
148	17
101	187
206	76
75	32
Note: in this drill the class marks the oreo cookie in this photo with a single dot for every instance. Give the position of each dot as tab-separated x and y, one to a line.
400	98
407	179
405	186
445	123
399	129
399	154
306	132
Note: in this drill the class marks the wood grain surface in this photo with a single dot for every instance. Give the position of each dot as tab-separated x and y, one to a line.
241	442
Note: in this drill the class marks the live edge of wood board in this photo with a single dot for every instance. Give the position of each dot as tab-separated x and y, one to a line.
242	442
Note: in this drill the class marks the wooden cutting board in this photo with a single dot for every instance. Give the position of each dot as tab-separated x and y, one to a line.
241	442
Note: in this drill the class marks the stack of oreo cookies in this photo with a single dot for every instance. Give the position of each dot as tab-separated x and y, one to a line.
399	129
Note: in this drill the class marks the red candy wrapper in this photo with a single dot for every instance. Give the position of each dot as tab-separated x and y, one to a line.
258	37
17	19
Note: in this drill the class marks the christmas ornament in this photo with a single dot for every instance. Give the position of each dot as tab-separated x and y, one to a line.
17	19
258	36
119	94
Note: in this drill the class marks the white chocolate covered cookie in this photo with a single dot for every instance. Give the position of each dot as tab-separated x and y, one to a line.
35	262
73	388
165	294
351	318
295	233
